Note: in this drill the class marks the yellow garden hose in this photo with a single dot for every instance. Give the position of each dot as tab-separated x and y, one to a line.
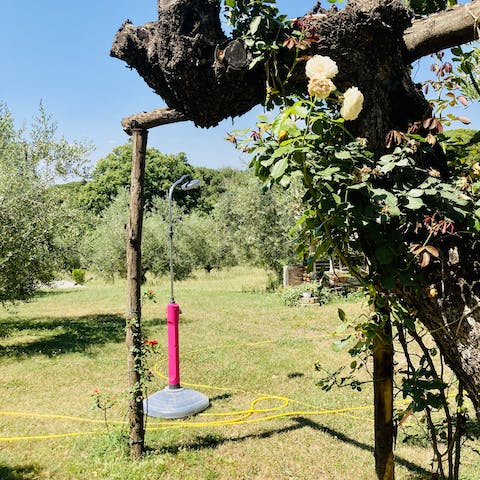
240	417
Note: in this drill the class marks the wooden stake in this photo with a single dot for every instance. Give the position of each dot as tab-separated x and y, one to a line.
134	339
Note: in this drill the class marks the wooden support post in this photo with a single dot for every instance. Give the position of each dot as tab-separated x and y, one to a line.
383	398
134	339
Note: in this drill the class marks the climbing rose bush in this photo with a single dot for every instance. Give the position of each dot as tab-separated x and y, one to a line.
320	67
320	70
352	104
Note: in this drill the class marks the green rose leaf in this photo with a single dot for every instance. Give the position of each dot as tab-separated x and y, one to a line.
415	193
339	345
414	203
384	254
343	155
279	168
254	24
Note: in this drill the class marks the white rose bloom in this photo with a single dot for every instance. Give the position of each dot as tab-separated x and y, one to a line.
320	67
352	104
320	87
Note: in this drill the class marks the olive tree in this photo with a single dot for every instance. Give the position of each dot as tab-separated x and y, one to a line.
256	223
33	223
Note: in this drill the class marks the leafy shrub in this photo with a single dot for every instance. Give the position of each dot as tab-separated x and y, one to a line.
78	275
291	296
33	221
354	295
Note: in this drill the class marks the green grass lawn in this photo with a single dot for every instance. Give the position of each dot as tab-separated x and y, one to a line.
239	345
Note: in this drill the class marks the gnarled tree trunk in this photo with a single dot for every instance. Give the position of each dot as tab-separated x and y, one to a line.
187	59
453	316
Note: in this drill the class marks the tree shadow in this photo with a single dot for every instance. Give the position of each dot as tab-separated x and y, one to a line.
224	396
57	336
52	293
154	322
214	441
24	472
412	467
295	375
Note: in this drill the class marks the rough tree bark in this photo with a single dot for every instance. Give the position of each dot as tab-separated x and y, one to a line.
454	26
453	317
203	75
187	59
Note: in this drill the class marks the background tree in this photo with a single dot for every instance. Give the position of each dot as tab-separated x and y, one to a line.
201	236
112	174
103	248
33	224
257	223
462	147
156	249
78	224
195	243
243	220
214	183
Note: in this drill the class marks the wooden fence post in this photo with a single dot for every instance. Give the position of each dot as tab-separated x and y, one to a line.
134	341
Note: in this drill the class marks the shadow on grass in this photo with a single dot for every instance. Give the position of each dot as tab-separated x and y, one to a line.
24	472
224	396
56	336
156	322
305	422
214	441
51	293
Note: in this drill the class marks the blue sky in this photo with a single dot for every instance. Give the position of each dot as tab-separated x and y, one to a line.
57	51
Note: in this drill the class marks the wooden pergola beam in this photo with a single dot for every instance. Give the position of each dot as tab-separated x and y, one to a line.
154	118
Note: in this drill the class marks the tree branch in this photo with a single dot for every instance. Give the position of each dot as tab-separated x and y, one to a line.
455	26
154	118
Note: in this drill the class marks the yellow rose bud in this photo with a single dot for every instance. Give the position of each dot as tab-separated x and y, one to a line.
432	291
282	136
320	87
320	67
352	104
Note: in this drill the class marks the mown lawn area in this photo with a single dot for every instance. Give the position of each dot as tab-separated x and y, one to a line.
239	345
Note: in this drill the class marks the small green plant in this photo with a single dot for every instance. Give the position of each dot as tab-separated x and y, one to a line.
78	275
112	447
104	402
273	282
150	351
149	296
354	295
291	296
